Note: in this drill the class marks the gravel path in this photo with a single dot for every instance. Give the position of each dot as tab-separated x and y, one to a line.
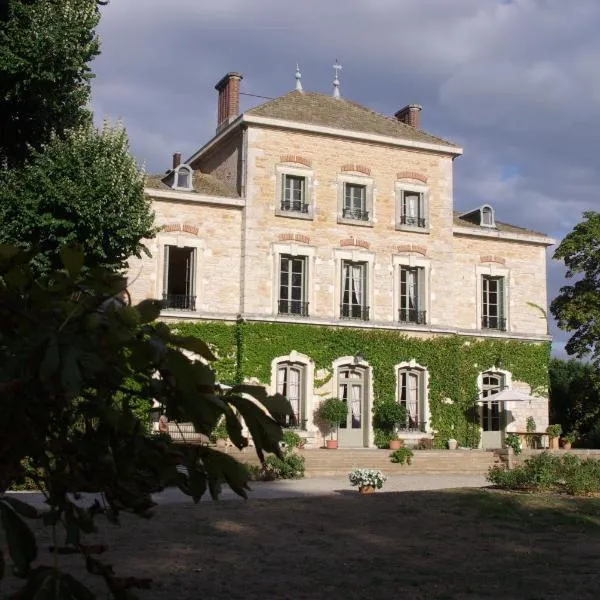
314	486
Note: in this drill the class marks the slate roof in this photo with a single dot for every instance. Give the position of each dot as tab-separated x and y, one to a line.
203	184
505	227
318	109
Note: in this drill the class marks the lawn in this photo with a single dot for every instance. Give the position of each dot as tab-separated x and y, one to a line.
423	545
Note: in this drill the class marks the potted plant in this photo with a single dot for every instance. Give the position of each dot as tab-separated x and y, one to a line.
553	432
452	444
513	440
330	414
367	480
390	416
402	456
568	439
530	427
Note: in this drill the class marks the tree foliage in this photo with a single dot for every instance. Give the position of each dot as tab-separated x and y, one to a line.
73	356
83	188
45	50
577	307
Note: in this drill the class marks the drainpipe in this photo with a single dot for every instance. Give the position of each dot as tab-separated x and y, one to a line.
239	350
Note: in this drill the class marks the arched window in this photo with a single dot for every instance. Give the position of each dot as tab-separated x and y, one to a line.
291	383
351	382
412	395
487	216
492	418
183	178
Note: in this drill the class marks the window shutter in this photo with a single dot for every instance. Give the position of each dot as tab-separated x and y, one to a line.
166	270
501	297
369	201
308	194
421	304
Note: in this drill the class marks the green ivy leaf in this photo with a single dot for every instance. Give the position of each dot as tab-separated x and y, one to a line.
195	345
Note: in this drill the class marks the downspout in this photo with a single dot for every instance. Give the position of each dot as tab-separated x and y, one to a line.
239	350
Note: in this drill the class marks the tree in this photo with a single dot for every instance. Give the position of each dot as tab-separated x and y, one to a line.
45	52
577	307
81	188
73	356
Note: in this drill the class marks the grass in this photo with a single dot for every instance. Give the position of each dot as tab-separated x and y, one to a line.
456	544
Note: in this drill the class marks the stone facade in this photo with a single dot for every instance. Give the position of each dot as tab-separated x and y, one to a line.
239	243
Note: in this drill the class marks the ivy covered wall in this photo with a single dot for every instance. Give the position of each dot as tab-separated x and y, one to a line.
246	350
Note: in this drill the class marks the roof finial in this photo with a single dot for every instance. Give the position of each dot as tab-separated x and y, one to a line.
298	78
336	79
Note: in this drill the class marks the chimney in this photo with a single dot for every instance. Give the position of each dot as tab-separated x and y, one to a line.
176	159
409	115
229	99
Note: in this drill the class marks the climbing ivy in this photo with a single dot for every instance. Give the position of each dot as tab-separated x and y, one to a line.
453	363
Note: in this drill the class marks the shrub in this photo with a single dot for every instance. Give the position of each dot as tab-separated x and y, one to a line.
330	414
548	472
402	456
388	414
382	438
291	466
512	440
554	430
291	439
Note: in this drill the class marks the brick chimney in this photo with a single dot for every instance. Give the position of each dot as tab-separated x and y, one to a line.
229	99
409	115
176	159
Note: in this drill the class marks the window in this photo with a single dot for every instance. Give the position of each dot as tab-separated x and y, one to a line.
411	395
293	194
179	278
412	295
183	178
355	202
292	285
492	303
291	383
354	291
411	207
487	216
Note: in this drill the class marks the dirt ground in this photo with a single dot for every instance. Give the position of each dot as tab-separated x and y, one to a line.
453	544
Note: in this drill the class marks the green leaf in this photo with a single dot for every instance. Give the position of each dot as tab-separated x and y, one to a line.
257	391
149	310
234	473
77	589
25	510
72	257
196	483
22	547
195	345
51	360
278	404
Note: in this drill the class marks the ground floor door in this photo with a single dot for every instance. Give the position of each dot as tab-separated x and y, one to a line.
492	417
352	387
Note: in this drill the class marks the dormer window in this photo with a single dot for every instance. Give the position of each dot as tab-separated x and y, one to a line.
183	178
487	216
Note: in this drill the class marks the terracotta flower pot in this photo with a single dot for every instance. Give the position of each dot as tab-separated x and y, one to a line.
554	445
366	489
566	445
331	444
395	444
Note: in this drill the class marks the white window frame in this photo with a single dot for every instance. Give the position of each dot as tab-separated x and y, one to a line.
492	270
401	187
292	249
362	180
413	366
295	357
190	172
181	240
280	173
486	209
412	261
354	255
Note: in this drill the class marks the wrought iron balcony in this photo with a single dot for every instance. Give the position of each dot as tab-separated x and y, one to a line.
293	307
355	213
354	311
498	323
410	315
294	206
412	221
412	426
178	302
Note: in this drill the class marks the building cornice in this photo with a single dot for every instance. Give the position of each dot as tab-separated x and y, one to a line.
511	236
194	197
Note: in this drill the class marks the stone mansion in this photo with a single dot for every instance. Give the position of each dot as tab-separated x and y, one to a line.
314	243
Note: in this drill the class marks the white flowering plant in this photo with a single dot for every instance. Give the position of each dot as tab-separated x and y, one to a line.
363	477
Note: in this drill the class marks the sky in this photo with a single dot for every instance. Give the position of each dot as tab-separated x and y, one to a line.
516	83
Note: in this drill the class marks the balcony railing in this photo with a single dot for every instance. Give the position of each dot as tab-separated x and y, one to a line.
412	426
354	311
412	221
294	206
178	302
410	315
293	307
355	213
498	323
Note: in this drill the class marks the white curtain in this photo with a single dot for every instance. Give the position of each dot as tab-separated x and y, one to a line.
412	399
357	285
356	412
411	288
